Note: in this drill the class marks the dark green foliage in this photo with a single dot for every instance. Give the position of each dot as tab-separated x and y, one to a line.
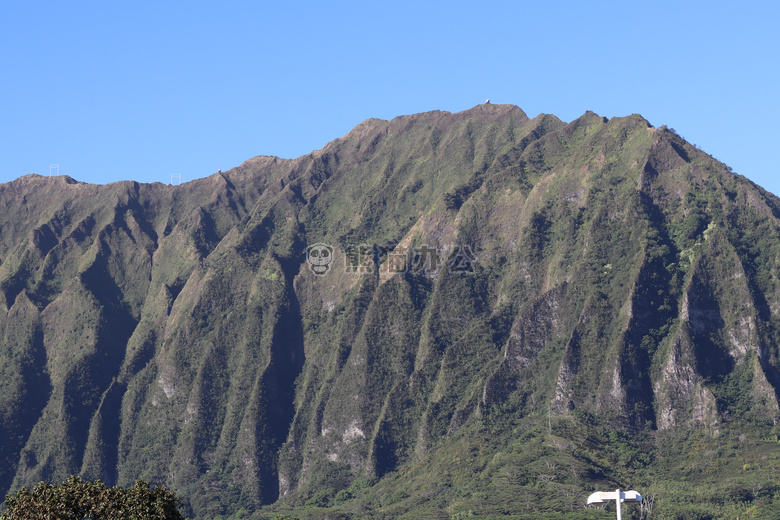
75	499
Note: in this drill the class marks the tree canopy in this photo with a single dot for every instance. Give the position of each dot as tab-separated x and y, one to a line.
75	499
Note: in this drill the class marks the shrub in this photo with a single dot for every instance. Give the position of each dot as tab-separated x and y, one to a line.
75	499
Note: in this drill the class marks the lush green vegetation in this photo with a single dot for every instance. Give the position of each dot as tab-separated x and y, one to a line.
75	499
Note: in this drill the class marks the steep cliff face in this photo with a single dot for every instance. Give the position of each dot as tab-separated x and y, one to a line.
481	265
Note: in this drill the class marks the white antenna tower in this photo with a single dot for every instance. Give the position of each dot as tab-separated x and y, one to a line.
54	168
175	179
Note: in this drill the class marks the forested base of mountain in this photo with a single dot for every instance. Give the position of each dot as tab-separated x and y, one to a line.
439	315
546	466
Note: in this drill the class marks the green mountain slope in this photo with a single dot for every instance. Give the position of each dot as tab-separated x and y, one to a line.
514	313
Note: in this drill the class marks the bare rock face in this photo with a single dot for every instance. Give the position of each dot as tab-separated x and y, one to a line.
483	267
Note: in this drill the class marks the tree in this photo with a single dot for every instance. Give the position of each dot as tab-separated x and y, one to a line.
75	499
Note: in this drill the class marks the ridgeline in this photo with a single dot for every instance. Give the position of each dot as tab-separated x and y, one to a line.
439	316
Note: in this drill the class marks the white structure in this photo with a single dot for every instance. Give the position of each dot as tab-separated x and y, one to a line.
599	497
175	179
54	168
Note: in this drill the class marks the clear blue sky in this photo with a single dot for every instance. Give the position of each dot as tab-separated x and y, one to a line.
142	90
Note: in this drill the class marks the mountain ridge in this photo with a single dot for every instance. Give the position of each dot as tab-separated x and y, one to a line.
618	279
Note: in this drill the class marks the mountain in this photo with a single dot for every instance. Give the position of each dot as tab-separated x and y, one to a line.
439	316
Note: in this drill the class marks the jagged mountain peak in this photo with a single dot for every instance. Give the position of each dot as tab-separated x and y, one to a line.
294	331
